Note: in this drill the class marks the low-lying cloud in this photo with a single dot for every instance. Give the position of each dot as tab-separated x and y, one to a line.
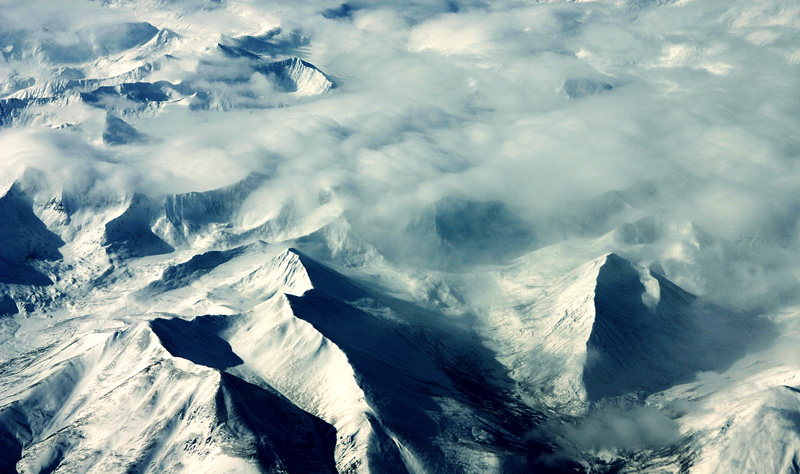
616	429
547	108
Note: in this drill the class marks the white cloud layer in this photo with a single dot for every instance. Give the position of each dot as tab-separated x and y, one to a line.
544	107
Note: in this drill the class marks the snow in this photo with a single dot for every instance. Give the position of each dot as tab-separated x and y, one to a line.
298	76
391	379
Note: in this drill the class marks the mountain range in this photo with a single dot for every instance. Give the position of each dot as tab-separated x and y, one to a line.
399	237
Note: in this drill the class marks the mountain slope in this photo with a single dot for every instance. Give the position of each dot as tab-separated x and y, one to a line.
399	381
380	370
125	403
609	328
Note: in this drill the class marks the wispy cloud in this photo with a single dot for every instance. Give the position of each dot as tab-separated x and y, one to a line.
543	107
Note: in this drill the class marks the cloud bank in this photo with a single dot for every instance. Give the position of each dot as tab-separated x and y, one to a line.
673	121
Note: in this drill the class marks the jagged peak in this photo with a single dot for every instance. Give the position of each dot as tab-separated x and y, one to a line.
647	333
327	280
613	273
283	273
298	76
296	62
616	271
611	327
611	259
292	272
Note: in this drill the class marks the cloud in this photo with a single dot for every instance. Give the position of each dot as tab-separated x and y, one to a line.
615	429
543	107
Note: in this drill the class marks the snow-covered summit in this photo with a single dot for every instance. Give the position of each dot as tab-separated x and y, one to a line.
609	328
298	76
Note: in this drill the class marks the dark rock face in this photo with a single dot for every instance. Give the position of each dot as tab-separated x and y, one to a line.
130	235
636	348
120	132
24	238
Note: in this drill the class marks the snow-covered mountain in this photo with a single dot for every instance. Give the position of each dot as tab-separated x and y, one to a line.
208	357
399	237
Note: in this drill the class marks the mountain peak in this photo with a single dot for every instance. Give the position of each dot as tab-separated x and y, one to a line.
323	278
284	272
298	76
648	333
611	327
